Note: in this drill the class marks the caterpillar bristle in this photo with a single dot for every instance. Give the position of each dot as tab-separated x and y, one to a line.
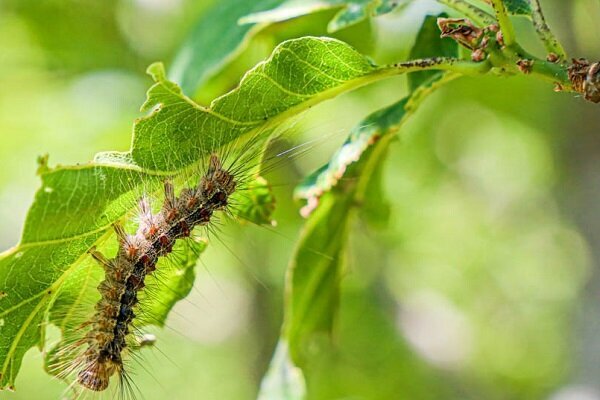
120	232
99	257
169	196
96	375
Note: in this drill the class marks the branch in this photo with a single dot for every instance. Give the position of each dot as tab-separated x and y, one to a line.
504	22
550	41
463	67
552	72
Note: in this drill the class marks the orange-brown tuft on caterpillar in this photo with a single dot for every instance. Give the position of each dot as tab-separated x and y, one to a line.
137	257
96	375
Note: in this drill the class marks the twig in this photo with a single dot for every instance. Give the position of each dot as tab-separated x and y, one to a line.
504	22
550	41
457	65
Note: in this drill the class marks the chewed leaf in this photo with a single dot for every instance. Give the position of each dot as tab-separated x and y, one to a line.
173	281
76	206
299	73
518	7
316	269
216	38
350	13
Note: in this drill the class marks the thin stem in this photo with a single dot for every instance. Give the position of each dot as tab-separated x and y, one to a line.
475	14
543	69
499	63
506	26
545	34
463	67
552	72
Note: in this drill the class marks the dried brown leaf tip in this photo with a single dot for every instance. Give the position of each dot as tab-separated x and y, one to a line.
470	36
585	78
461	30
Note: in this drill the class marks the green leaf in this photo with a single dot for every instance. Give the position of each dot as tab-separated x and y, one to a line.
316	267
216	38
174	283
283	381
315	272
257	203
72	212
350	13
376	210
429	44
164	289
300	72
76	206
386	6
518	7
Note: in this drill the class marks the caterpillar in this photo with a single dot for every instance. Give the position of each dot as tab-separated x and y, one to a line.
99	344
137	257
109	333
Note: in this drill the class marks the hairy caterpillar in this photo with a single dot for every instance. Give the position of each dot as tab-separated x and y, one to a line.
137	257
99	350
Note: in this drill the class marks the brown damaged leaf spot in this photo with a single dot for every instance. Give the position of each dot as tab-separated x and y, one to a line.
461	30
465	33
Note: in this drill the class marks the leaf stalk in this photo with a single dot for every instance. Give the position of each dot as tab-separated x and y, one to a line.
547	37
504	22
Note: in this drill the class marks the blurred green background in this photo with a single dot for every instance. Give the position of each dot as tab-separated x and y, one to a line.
484	284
